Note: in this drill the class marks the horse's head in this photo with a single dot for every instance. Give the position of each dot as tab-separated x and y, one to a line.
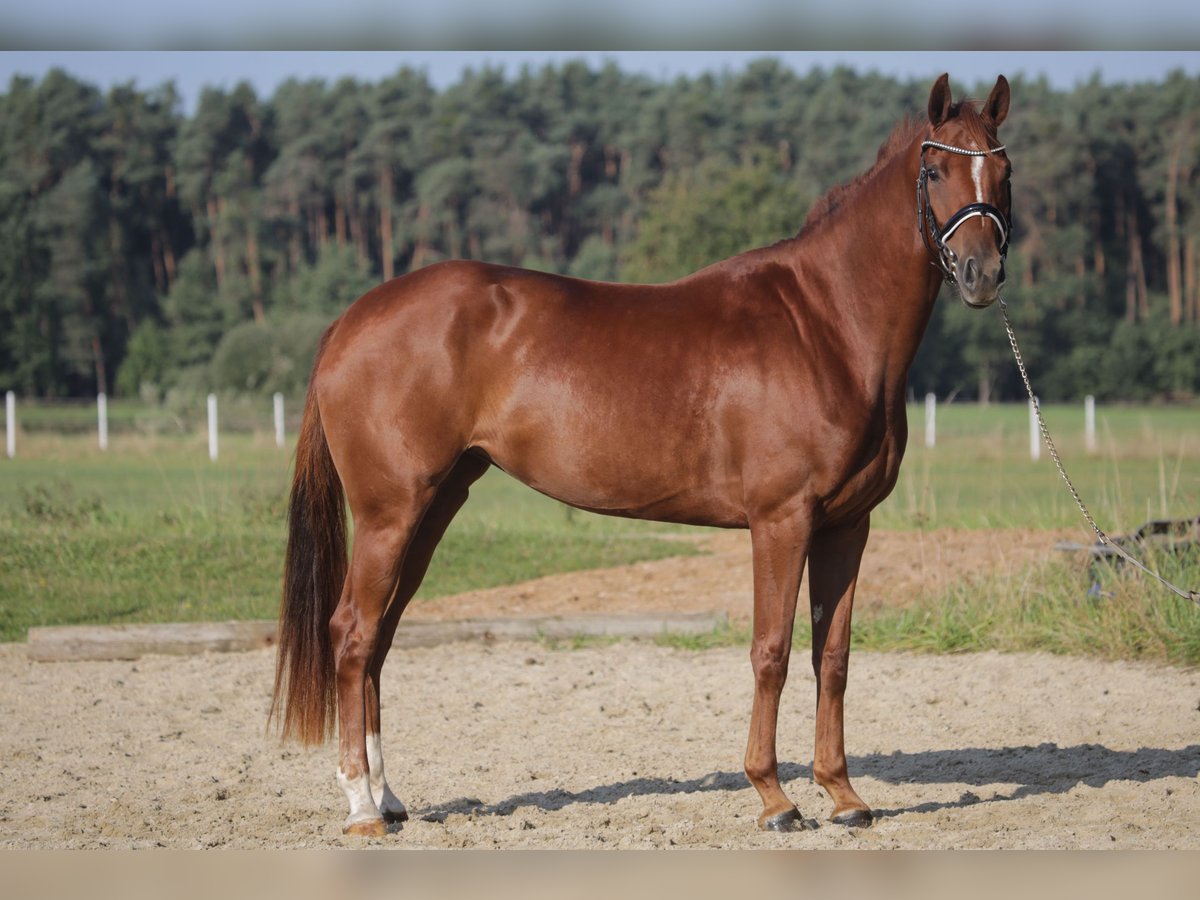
963	198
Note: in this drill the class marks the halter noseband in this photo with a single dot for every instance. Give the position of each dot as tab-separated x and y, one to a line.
945	258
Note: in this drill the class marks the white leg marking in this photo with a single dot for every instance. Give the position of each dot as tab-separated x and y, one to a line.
358	795
817	612
380	792
977	177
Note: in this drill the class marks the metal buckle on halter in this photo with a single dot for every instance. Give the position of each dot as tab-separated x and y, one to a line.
945	258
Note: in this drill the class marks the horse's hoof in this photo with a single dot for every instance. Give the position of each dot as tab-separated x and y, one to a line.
854	818
788	820
367	828
394	816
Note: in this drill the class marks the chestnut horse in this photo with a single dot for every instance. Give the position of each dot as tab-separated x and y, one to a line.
765	392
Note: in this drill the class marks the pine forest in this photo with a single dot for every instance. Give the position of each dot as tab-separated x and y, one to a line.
148	251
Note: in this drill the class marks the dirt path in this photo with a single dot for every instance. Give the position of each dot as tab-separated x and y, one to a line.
631	745
898	568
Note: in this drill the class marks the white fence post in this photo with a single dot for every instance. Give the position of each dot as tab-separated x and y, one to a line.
1035	437
212	426
930	420
102	419
1089	423
279	420
10	424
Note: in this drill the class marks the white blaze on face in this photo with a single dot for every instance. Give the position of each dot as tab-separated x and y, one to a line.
977	177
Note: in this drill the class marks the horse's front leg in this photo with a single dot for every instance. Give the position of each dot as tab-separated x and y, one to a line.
832	576
780	545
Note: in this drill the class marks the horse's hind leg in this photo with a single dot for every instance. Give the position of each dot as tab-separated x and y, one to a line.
832	576
451	495
381	538
390	806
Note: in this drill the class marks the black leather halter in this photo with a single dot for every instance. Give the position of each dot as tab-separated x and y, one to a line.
944	257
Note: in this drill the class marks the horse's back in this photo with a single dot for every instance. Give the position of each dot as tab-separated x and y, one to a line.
460	315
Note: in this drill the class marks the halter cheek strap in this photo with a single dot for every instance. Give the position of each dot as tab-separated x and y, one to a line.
938	249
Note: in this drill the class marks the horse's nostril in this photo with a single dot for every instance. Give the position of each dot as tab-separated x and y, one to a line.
970	273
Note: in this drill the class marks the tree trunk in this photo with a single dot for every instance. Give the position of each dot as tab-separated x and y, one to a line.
295	241
214	236
1171	216
1136	292
254	266
575	169
1120	222
985	382
568	232
387	248
168	255
359	238
1098	260
311	216
118	271
101	371
339	221
322	226
160	276
421	250
1191	291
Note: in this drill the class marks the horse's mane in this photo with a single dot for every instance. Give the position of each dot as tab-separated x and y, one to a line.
901	137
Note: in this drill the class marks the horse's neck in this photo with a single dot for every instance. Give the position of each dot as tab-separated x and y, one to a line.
878	277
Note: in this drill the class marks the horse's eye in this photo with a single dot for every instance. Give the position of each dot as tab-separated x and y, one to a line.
931	173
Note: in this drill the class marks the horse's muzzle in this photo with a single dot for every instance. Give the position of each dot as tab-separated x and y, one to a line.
979	284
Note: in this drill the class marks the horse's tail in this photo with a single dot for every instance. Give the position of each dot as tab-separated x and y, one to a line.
314	570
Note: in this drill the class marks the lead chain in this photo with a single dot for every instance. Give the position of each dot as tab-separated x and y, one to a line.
1104	538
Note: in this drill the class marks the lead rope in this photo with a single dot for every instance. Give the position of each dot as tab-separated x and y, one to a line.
1194	596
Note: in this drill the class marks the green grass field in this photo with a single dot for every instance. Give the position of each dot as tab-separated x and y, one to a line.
151	530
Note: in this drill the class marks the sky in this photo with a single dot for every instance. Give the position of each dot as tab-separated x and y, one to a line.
266	70
680	24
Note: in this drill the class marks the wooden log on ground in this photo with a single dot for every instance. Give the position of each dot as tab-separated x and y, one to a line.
77	642
81	642
629	625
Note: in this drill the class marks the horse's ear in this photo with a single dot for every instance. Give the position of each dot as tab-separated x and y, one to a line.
939	100
996	107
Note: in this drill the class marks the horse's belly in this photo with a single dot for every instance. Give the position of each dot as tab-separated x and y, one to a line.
639	473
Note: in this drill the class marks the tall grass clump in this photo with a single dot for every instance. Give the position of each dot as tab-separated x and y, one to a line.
1057	607
1062	606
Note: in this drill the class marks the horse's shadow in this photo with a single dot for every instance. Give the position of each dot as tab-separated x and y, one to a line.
1042	770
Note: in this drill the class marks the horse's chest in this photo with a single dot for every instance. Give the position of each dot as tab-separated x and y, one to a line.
867	475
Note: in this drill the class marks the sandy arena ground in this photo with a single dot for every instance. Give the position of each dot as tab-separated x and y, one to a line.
631	745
